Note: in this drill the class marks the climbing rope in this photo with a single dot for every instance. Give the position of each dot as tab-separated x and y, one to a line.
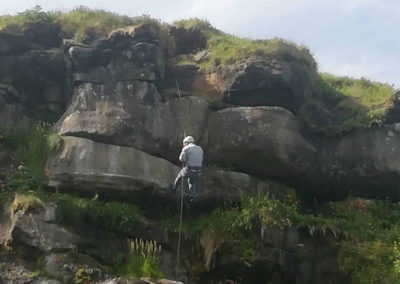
180	231
180	107
181	205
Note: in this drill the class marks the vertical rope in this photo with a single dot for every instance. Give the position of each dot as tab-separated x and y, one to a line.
180	107
181	210
180	231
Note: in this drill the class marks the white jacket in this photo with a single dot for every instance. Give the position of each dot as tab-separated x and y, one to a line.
191	155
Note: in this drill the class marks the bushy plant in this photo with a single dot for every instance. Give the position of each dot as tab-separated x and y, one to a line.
113	217
30	144
143	259
23	20
347	104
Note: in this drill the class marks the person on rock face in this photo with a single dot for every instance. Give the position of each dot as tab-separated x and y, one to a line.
192	160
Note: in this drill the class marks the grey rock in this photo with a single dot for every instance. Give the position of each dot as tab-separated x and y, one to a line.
363	161
32	230
260	81
133	114
113	170
263	141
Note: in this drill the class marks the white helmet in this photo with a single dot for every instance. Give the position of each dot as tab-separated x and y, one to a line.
188	139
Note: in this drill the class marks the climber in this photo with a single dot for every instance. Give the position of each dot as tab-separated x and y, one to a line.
192	160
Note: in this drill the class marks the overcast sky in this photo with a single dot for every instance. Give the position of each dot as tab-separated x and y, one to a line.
357	38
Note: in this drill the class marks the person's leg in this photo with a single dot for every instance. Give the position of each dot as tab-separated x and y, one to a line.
192	180
178	179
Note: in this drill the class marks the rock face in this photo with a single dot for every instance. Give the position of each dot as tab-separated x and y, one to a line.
265	82
219	186
113	170
135	53
364	160
133	114
11	111
266	141
43	84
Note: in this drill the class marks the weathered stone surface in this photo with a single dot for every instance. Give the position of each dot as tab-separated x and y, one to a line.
113	170
187	40
32	230
147	32
264	141
265	81
133	114
11	110
65	266
128	54
38	75
12	43
219	186
364	160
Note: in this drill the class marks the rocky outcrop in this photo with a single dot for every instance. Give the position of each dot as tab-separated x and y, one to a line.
114	171
134	53
36	73
260	81
263	141
11	110
364	161
133	114
220	186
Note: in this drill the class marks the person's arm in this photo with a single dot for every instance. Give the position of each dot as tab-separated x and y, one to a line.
183	155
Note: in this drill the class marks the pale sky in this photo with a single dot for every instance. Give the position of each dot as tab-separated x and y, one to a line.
356	38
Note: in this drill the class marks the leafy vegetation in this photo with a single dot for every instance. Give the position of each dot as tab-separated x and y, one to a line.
341	104
82	23
30	143
23	20
225	48
368	230
113	217
85	24
143	259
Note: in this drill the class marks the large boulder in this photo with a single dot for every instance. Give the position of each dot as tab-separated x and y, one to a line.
13	43
132	53
187	40
133	114
150	32
11	110
260	81
114	171
263	141
38	75
220	186
364	161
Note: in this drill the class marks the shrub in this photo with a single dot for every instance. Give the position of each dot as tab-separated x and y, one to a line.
33	18
143	259
30	144
113	217
346	104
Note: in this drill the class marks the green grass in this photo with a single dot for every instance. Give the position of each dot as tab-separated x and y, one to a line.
19	22
29	142
368	232
113	217
366	93
143	260
342	104
82	23
226	48
85	24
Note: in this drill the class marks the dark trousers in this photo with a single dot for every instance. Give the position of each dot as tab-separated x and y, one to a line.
192	175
